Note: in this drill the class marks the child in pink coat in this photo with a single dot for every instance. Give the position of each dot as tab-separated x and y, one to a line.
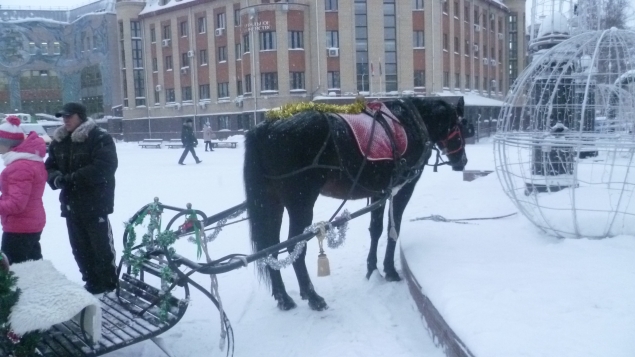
22	186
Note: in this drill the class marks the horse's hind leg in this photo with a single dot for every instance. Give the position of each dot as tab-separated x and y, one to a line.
376	228
399	203
300	216
285	302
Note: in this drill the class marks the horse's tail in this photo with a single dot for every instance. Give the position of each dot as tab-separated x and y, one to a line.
259	199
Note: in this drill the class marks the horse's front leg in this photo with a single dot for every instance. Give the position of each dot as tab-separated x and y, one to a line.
376	228
399	202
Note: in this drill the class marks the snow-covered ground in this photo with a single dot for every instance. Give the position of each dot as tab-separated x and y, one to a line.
506	288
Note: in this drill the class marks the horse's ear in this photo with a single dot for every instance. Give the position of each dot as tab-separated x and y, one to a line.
459	107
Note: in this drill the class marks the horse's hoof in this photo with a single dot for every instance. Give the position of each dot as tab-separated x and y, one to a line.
370	273
392	275
286	303
318	304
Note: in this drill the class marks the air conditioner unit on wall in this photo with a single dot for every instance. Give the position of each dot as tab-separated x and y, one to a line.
492	62
190	53
157	88
166	42
184	70
475	47
333	52
477	28
485	61
219	31
501	36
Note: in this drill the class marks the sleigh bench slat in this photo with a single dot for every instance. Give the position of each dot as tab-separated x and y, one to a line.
224	144
121	324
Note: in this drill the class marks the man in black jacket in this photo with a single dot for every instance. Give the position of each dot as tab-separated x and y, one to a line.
81	163
189	141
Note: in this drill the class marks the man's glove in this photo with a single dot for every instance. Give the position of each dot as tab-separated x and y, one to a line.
62	181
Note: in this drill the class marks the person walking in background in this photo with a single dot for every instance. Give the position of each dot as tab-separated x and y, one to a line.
189	141
82	163
208	135
22	185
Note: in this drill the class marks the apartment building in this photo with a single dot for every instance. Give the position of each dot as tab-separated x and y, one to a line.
48	57
228	61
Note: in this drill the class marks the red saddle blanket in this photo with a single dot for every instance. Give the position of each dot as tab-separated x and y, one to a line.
380	148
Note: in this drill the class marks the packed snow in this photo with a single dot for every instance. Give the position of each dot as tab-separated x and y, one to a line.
505	287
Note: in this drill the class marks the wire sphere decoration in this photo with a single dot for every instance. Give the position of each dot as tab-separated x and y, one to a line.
565	142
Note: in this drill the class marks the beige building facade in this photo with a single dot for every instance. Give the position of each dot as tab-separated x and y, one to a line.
226	62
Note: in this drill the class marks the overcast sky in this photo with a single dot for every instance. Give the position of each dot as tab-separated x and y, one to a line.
74	3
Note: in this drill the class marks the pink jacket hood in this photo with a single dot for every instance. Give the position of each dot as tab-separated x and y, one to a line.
33	144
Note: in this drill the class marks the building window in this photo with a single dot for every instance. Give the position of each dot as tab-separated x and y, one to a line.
202	57
417	4
296	80
456	45
476	17
445	42
467	47
202	24
121	30
457	80
246	46
125	88
167	34
484	20
45	48
56	48
333	80
390	47
222	54
239	87
331	5
476	83
512	55
476	47
155	64
456	9
153	34
185	60
32	48
168	63
466	14
203	91
362	75
467	82
186	93
237	17
485	86
223	90
420	79
157	98
446	79
332	39
137	54
445	7
267	40
220	21
183	29
169	95
269	81
139	87
223	122
238	51
500	55
135	29
296	39
500	25
248	83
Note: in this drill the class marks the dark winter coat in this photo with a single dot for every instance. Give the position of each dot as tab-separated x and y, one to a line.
187	136
85	161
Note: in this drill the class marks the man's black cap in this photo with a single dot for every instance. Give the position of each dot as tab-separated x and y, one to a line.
72	108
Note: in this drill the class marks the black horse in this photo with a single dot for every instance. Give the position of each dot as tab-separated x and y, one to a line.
290	162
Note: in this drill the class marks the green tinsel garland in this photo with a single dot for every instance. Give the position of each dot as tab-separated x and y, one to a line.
163	240
10	343
291	109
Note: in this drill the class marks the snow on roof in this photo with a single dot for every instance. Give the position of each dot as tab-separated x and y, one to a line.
555	23
472	99
154	5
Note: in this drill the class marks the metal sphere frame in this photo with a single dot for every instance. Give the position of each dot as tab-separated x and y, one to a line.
565	144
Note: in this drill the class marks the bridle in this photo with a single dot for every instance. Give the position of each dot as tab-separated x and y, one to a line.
455	134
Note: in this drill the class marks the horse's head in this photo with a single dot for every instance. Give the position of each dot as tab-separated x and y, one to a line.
446	127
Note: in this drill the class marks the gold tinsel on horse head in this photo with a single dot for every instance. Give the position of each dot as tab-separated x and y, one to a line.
288	110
